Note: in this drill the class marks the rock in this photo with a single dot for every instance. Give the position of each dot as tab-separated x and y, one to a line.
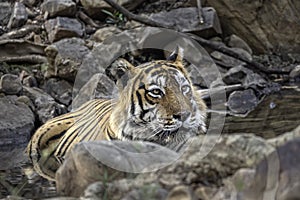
295	73
12	50
5	12
242	102
10	84
60	90
63	27
65	57
18	17
16	122
263	30
105	32
62	8
225	61
94	8
98	87
187	20
235	41
92	161
180	192
276	177
284	138
152	191
45	105
248	78
30	81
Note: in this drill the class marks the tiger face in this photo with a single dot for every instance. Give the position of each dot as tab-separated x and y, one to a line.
159	104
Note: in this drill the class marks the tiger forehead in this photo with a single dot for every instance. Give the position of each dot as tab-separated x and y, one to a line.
163	75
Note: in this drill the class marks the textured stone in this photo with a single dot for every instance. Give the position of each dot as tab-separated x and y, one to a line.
63	27
16	122
89	162
225	60
264	25
18	17
187	20
241	102
5	12
60	90
235	41
45	105
248	78
63	8
65	56
10	84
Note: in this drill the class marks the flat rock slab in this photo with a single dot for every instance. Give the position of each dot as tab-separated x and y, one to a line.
89	162
16	122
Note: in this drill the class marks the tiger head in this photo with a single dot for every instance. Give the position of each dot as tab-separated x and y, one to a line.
156	101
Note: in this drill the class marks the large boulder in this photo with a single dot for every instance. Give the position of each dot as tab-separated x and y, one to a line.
16	121
264	25
199	164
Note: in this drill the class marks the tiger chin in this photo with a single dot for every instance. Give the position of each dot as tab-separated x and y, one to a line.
157	103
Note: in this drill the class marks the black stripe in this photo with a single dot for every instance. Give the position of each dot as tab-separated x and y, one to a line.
55	137
132	109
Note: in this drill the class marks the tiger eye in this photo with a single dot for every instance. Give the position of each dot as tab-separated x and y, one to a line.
156	91
185	89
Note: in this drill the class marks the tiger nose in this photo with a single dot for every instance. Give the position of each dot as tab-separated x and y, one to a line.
181	116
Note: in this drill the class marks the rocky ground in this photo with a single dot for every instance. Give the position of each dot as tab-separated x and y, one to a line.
55	55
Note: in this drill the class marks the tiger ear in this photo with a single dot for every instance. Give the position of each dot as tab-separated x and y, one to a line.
121	71
177	55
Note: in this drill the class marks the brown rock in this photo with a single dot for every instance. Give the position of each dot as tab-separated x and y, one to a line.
264	25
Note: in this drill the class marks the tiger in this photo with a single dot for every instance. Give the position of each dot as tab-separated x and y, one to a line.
155	100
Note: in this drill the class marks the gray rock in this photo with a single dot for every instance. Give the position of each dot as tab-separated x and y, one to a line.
18	17
16	122
210	165
94	8
63	8
92	161
263	30
235	41
187	20
242	102
65	57
225	60
5	12
295	73
63	27
240	74
10	84
45	105
60	90
98	87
